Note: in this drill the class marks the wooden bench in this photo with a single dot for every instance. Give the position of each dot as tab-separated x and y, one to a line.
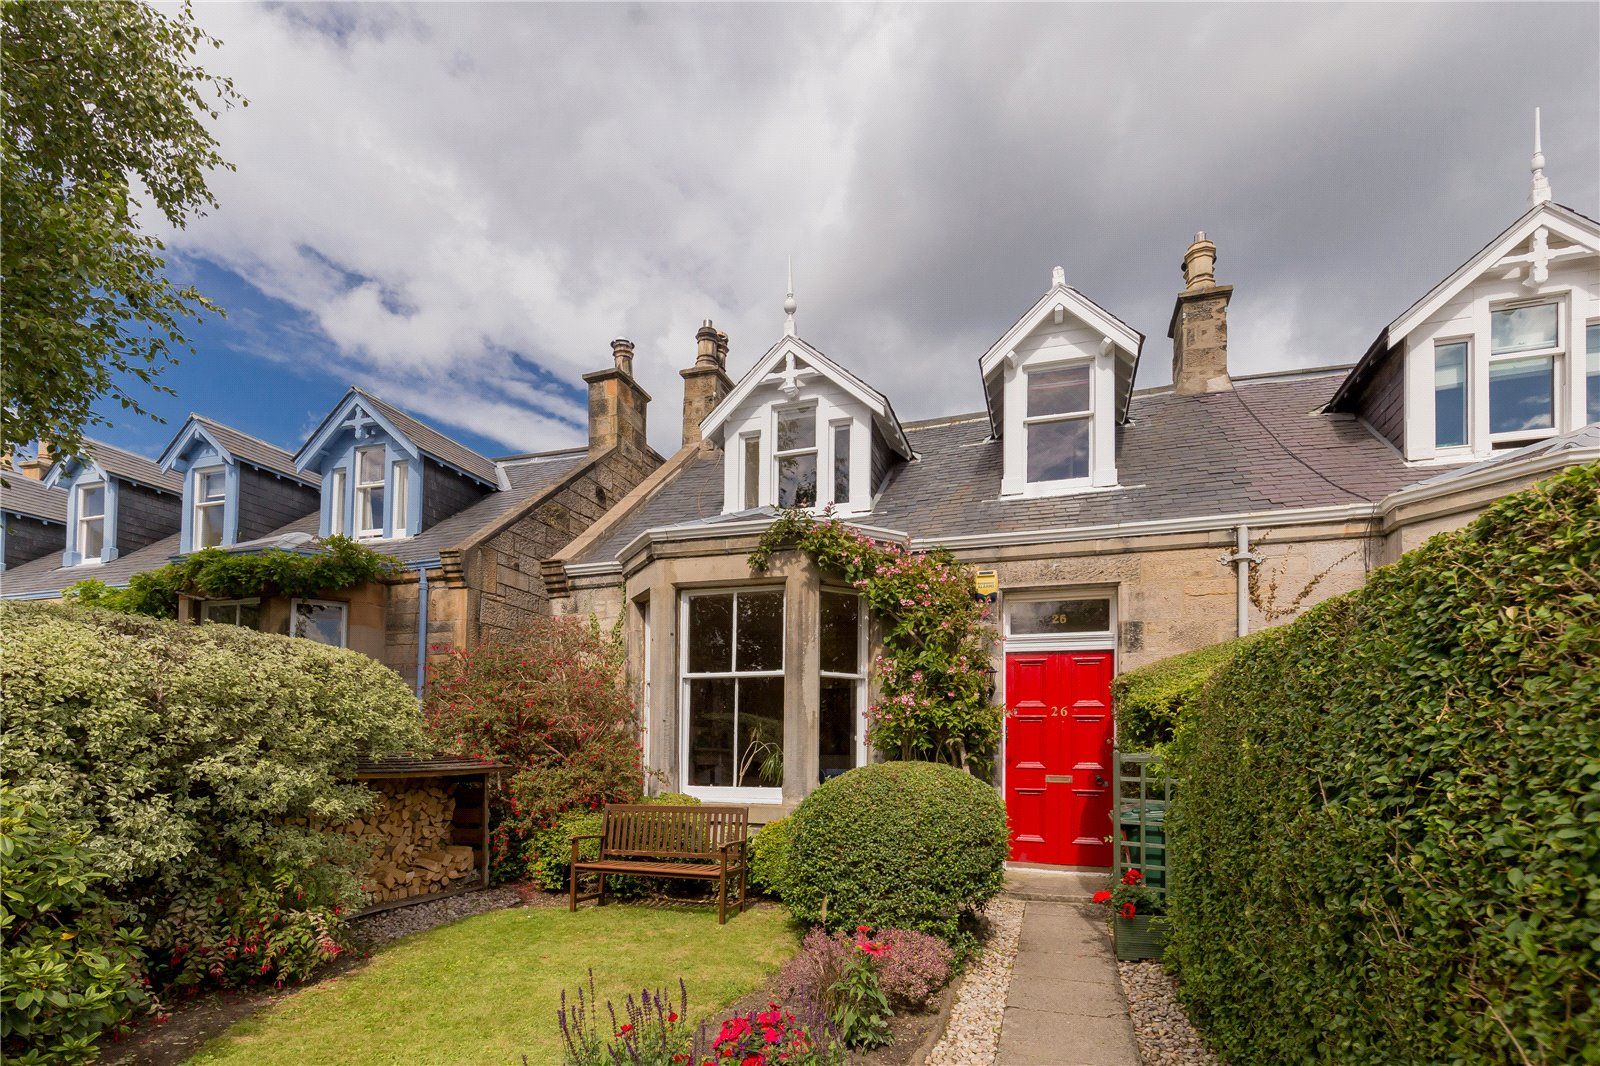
705	843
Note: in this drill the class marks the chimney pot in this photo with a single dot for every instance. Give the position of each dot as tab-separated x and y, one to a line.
706	382
622	355
1200	262
706	345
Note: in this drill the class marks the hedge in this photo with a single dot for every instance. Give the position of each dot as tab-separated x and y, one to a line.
1386	837
195	762
1151	700
904	845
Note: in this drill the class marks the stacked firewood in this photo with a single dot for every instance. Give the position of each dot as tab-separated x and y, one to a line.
408	830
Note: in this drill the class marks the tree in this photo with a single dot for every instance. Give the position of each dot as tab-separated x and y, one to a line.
104	111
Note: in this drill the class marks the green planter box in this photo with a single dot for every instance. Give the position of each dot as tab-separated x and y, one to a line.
1144	936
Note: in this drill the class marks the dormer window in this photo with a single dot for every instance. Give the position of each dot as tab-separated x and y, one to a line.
796	457
210	499
90	540
1058	423
369	492
1525	343
335	491
750	446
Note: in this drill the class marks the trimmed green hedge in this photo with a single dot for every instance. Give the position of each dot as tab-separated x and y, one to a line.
1153	699
769	856
1386	837
904	845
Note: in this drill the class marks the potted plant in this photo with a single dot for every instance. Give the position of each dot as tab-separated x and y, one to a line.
1138	922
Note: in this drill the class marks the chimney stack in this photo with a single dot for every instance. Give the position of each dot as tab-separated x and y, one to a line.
706	382
1199	326
616	403
37	467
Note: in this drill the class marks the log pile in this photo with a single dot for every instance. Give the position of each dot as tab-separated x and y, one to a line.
408	830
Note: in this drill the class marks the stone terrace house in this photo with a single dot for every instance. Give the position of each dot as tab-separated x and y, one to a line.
1121	526
469	531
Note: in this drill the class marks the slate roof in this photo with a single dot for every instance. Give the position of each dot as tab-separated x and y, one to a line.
132	467
25	496
45	577
1261	447
1581	438
257	452
431	441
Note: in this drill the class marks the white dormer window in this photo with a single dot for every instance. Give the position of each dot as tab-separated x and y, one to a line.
369	492
91	532
210	500
796	457
800	431
1058	420
335	490
400	474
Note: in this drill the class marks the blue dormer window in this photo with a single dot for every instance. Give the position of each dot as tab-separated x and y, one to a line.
369	492
210	507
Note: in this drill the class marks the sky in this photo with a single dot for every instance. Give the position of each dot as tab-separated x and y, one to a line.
458	206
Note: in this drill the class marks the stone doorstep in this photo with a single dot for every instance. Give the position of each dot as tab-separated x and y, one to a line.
1037	1038
1045	885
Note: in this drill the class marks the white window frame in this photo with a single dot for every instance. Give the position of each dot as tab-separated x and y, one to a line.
364	489
847	426
725	793
1471	342
778	413
78	538
1029	420
859	677
1555	354
1591	363
399	498
1096	640
337	480
344	618
206	605
201	504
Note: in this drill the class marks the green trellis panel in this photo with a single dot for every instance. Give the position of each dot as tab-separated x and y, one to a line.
1139	814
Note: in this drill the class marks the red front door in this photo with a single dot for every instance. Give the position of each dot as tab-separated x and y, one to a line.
1058	756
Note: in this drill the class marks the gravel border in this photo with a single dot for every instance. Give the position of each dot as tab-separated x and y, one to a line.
1160	1024
973	1036
378	929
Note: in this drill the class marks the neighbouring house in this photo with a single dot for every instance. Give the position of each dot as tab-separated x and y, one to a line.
468	531
33	516
1118	525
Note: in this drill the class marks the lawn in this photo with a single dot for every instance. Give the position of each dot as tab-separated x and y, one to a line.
487	989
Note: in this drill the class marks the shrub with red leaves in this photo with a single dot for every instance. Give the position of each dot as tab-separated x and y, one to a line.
551	701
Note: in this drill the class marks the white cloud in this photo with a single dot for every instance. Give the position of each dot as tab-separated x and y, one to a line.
443	189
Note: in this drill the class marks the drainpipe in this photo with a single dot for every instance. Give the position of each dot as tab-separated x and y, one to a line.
1241	559
422	628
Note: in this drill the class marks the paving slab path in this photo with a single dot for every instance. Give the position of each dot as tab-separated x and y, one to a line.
1065	1005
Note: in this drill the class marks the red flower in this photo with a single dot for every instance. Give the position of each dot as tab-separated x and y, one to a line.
1103	896
672	1017
1132	877
626	1028
1129	910
863	929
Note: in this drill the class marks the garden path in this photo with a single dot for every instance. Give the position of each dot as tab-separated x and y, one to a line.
1065	1005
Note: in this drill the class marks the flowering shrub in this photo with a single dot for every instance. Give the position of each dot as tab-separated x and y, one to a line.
550	701
68	968
933	675
858	1006
911	966
1131	896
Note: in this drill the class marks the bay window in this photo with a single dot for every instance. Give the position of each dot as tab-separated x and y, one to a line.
90	539
842	642
1450	418
210	494
733	692
1524	343
245	613
369	492
1057	422
795	457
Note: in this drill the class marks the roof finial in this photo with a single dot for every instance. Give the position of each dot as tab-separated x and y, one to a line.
789	304
1058	277
1541	185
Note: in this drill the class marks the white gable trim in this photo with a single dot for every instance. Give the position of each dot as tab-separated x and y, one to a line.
756	376
334	424
1558	219
1073	302
191	431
